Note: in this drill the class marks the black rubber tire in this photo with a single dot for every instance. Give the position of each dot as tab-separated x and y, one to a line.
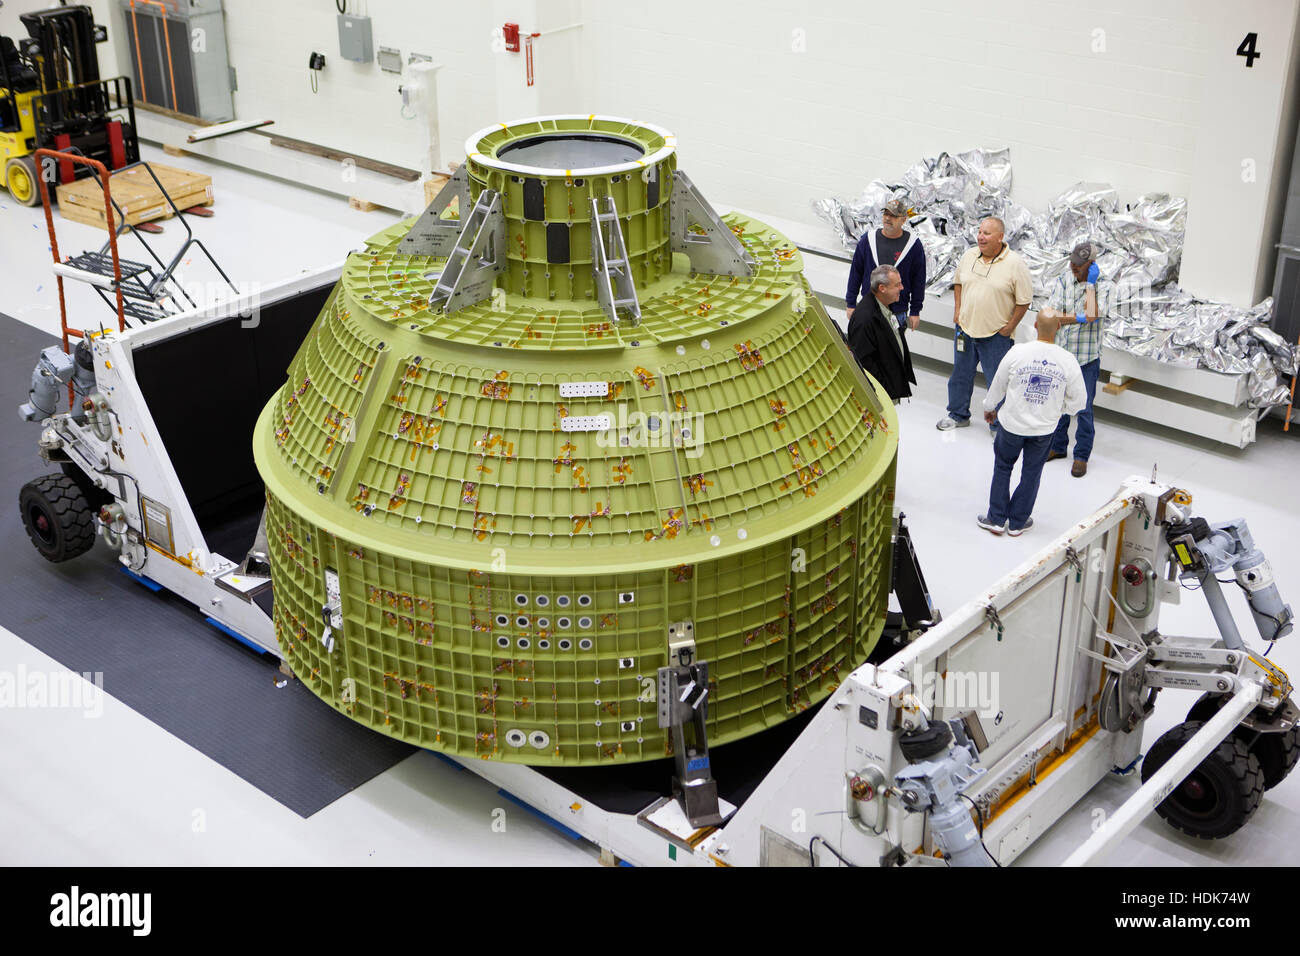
57	517
1219	796
919	745
1206	706
95	496
1277	754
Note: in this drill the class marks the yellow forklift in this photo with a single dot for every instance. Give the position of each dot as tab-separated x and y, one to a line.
51	96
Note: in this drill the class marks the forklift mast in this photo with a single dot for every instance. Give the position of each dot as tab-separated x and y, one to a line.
72	108
61	45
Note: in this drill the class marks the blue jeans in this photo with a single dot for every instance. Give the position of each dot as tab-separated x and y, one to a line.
1084	431
1003	506
988	352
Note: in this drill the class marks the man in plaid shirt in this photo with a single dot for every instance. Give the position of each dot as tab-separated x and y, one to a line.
1082	301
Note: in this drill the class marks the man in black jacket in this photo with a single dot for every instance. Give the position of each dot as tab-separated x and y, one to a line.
875	339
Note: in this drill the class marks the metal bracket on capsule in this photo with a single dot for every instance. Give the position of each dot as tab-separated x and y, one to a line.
716	250
478	257
432	235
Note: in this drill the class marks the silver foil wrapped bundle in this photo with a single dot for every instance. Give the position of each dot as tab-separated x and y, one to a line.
1169	325
1140	251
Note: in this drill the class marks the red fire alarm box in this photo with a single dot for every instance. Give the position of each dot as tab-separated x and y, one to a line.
511	34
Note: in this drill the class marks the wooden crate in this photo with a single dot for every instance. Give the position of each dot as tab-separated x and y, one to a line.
136	194
432	186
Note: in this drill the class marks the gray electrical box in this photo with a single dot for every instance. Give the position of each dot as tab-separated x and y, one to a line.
354	38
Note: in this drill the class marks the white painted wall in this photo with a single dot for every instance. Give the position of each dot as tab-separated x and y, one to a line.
559	57
358	108
1246	139
9	24
880	84
1137	93
778	102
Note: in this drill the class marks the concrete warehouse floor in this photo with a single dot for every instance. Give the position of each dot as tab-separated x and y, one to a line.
119	790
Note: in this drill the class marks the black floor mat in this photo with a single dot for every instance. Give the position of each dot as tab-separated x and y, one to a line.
231	534
156	653
738	767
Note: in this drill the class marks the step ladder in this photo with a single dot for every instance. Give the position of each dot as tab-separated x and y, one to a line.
147	292
613	274
96	268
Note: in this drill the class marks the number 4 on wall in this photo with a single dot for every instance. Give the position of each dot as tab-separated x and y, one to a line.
1247	49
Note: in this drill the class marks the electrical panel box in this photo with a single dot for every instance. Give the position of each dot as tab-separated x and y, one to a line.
354	38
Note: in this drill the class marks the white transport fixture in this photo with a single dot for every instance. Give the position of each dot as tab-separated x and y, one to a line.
961	749
967	745
156	450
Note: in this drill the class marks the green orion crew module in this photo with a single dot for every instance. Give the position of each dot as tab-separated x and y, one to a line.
564	418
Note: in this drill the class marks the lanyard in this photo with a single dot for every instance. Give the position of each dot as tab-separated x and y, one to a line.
875	256
980	258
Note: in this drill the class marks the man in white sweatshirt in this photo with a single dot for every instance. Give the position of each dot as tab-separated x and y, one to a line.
1040	382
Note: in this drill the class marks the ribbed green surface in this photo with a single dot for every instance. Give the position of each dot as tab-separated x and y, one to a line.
453	660
678	306
643	207
507	586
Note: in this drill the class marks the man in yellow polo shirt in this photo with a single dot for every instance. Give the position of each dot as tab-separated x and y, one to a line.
991	293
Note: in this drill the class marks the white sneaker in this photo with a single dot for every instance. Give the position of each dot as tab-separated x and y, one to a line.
988	525
946	424
1016	532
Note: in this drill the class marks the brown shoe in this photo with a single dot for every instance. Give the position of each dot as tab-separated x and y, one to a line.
1079	468
1053	455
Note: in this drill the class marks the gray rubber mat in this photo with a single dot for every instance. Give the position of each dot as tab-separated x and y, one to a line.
155	651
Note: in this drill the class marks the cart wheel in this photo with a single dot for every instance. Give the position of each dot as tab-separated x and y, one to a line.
1277	753
57	517
20	178
1206	706
1219	796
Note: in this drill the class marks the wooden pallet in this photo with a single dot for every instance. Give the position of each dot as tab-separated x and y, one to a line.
1118	384
136	194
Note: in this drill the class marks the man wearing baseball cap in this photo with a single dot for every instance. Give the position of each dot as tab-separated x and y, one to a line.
890	245
1082	301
